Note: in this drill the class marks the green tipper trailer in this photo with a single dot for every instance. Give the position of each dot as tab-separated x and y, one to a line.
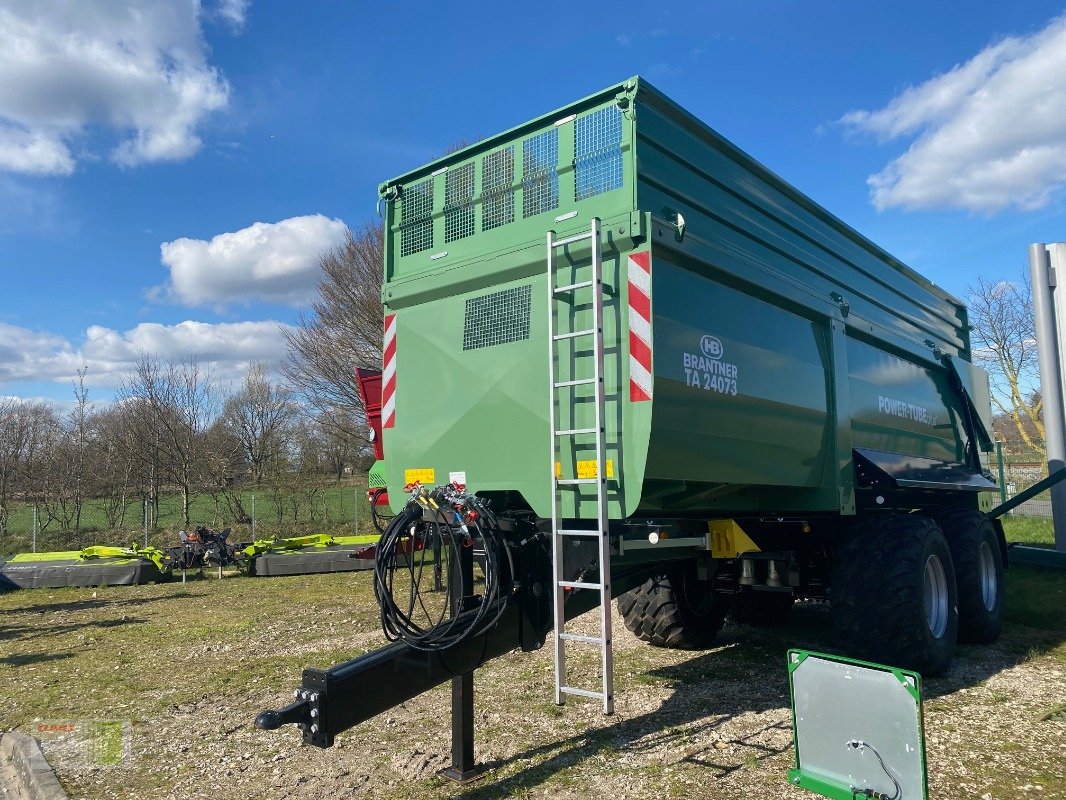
642	344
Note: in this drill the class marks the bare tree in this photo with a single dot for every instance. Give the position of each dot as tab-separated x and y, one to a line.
181	402
1004	339
259	415
76	450
22	425
225	465
338	449
62	477
344	331
114	460
145	443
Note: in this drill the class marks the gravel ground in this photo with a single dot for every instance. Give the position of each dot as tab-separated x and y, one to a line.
186	668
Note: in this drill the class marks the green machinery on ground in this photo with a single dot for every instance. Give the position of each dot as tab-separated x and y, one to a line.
647	351
98	565
316	553
101	565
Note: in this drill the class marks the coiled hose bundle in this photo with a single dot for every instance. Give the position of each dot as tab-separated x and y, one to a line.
438	525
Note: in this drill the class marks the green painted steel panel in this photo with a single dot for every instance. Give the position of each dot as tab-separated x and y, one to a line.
781	337
902	407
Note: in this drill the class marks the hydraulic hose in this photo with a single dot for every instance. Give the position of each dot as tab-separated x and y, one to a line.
432	525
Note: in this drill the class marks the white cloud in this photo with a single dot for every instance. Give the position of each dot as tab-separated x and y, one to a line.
990	132
33	153
225	349
233	12
135	72
275	262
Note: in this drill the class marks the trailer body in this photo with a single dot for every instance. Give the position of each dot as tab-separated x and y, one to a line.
779	344
788	411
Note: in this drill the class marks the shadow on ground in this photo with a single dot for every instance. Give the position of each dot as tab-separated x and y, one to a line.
25	633
25	659
109	601
744	656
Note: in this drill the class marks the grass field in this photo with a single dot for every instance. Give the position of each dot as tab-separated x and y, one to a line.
1034	531
187	667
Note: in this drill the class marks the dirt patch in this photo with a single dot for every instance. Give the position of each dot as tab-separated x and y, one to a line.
187	668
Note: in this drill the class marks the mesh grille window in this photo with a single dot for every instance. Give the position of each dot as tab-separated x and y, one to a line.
496	318
416	218
459	202
597	152
540	178
497	189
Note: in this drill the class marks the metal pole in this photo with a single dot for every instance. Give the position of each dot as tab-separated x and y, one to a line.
356	509
1002	479
35	528
1047	342
145	502
253	516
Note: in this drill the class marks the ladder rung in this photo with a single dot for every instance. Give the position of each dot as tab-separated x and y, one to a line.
570	239
578	382
580	585
574	431
574	334
581	692
574	481
578	533
572	286
577	637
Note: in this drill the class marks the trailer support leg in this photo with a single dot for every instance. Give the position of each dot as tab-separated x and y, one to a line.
463	768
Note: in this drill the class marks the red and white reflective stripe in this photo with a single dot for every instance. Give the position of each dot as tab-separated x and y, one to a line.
640	379
388	374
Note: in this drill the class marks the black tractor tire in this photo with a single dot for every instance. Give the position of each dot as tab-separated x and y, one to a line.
762	608
975	550
894	596
675	609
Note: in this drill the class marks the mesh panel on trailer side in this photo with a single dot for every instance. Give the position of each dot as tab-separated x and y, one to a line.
540	175
459	202
416	218
597	152
497	188
496	318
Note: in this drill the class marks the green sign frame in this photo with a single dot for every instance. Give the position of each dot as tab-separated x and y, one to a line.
826	781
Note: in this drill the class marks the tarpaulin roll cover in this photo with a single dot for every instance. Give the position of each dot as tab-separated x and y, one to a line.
57	573
309	561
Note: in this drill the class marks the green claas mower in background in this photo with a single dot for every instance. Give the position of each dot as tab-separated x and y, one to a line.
303	555
98	565
622	359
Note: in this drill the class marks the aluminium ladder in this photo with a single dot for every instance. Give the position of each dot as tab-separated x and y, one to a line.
559	483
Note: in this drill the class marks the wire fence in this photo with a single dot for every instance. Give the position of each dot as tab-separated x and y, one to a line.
263	512
1020	471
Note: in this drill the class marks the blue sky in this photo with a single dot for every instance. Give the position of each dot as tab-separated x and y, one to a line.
167	177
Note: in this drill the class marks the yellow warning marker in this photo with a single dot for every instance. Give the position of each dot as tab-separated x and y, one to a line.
424	475
587	469
728	539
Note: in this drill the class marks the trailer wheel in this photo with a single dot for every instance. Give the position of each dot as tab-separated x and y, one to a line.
762	608
894	596
675	609
978	561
